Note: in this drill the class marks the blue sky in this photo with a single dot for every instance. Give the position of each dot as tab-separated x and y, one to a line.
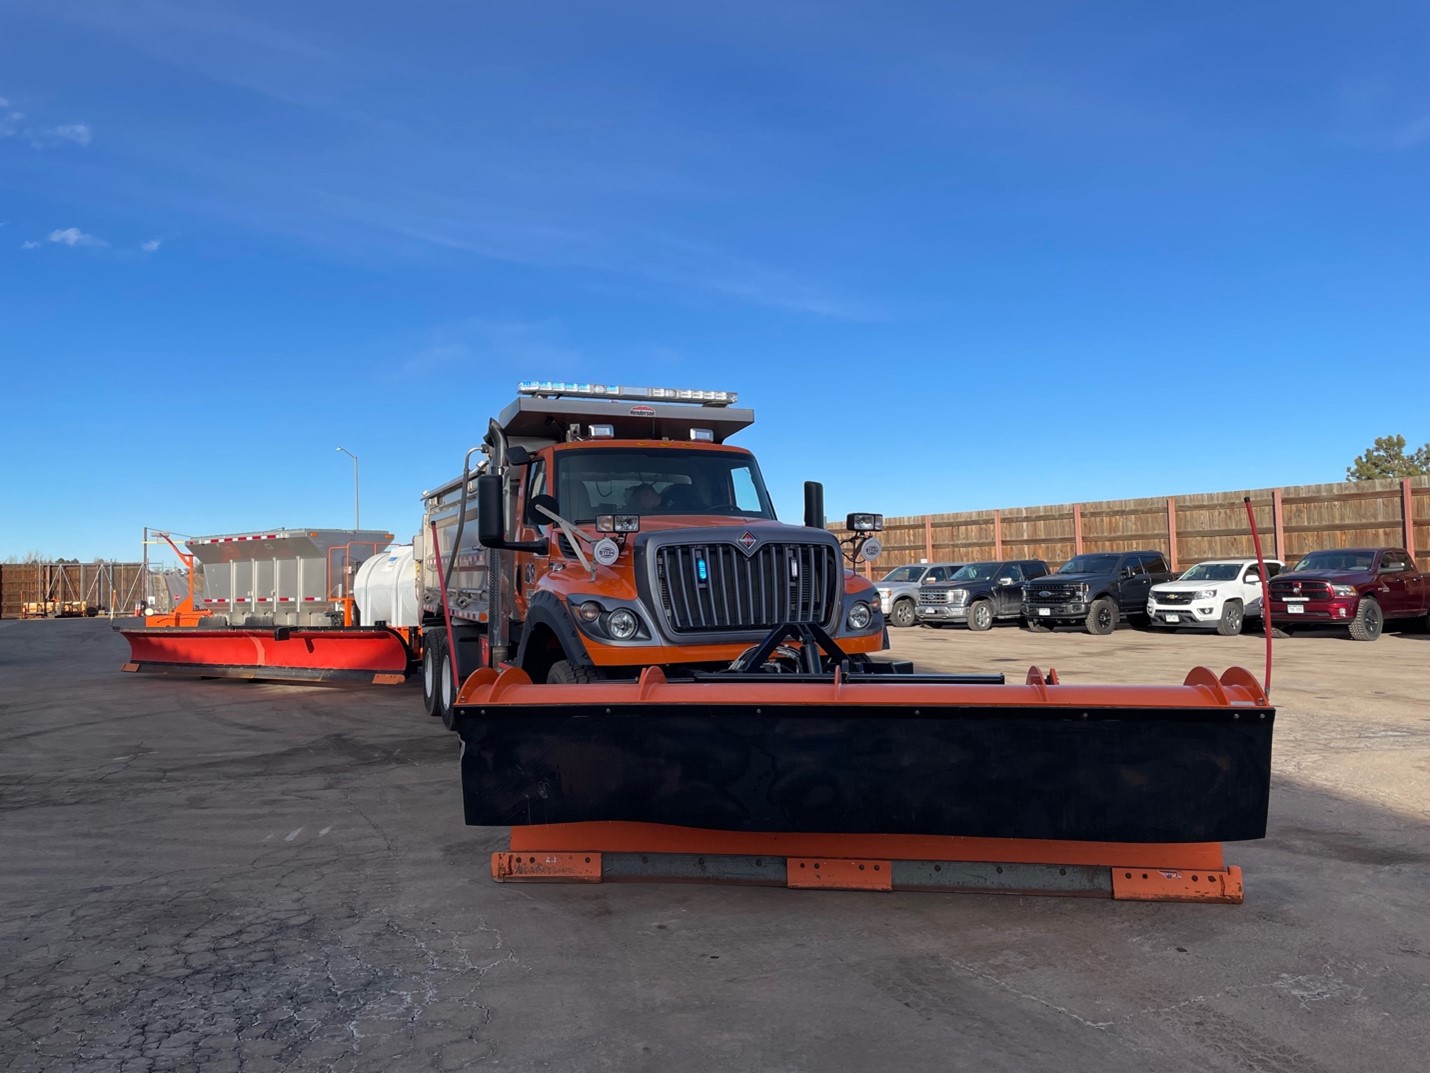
955	256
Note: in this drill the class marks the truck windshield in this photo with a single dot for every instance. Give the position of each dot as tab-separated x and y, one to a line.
976	572
904	573
1212	572
1338	560
1089	564
656	481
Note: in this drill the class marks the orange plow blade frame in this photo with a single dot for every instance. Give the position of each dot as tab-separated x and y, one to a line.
376	655
648	852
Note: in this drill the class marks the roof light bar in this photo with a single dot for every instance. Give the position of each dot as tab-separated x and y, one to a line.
556	388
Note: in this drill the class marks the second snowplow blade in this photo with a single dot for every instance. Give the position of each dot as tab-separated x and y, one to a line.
880	755
377	654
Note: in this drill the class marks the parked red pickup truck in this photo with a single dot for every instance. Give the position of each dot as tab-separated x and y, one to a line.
1359	588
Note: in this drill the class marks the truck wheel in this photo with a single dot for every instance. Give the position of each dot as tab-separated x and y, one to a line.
431	667
1101	617
980	616
1369	620
902	613
446	691
563	673
1034	626
1232	619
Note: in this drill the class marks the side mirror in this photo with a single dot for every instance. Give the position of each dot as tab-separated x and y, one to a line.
1125	572
1252	579
491	518
1391	568
534	517
814	504
518	456
1005	581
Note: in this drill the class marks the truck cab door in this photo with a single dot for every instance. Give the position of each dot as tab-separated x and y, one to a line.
1392	587
1008	590
530	568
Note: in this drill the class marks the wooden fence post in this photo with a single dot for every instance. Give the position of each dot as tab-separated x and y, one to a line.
1172	530
1407	515
928	539
1276	523
997	534
1077	528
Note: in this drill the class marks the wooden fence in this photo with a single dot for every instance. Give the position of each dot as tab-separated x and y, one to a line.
69	588
1188	529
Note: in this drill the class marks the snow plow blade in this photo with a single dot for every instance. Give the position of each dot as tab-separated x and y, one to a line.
376	655
858	753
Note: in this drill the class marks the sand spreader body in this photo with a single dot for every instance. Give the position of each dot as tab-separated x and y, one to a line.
287	605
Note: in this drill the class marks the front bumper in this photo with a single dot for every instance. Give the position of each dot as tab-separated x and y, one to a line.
1055	612
943	613
1338	612
1183	615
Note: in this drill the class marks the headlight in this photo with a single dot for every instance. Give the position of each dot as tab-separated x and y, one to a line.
1343	590
958	596
1203	594
883	593
589	611
622	624
860	615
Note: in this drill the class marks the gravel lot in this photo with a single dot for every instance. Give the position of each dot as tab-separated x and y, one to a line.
226	876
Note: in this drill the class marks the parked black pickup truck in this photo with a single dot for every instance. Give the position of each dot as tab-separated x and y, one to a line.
979	594
1095	591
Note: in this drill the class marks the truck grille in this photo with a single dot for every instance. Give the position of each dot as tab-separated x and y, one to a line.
1172	599
1312	590
927	598
1058	592
719	587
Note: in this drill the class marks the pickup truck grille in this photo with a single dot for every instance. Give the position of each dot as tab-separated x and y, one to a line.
1059	592
1311	590
928	598
1172	599
719	587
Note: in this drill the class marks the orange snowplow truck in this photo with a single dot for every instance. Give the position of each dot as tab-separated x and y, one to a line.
609	529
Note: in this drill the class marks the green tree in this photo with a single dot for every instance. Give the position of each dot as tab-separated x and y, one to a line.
1388	459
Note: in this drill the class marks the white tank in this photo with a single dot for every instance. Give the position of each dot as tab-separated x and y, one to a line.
386	588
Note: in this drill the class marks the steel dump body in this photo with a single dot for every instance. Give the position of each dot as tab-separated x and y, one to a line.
1182	764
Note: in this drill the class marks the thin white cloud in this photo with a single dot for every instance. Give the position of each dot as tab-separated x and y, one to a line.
73	236
151	246
78	133
30	244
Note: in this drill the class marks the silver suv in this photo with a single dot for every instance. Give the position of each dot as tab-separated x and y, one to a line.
899	589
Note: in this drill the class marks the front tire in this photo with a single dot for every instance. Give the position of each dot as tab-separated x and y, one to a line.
1369	620
1232	619
1101	617
902	613
980	616
564	673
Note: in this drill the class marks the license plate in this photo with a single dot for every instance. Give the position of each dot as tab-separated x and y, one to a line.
1174	618
1044	611
1294	609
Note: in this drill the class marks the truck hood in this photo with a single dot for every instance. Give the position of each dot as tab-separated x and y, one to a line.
1339	577
1065	577
1190	586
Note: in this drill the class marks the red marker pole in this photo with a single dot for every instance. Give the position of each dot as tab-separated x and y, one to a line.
1265	590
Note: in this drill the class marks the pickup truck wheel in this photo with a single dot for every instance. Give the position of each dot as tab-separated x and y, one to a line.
902	613
563	673
1101	617
1369	620
1034	625
1232	618
980	616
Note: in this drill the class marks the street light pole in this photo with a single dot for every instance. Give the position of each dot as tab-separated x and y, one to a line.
356	523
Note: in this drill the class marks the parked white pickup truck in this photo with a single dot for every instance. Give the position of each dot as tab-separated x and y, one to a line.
1218	595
